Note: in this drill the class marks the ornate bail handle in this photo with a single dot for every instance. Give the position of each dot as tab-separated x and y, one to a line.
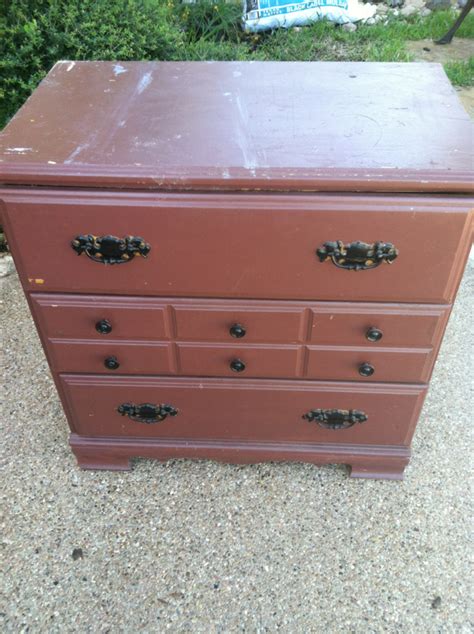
335	418
109	249
146	412
357	256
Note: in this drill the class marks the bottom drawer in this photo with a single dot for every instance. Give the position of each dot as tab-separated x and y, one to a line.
242	409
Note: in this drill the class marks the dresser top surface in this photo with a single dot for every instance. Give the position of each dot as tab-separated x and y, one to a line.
324	126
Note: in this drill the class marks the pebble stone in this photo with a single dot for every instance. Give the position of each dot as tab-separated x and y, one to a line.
197	547
408	10
6	265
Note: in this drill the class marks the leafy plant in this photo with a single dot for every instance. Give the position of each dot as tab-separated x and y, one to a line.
217	21
34	34
461	73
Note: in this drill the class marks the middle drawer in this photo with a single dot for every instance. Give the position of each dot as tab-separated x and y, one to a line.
240	361
240	338
103	317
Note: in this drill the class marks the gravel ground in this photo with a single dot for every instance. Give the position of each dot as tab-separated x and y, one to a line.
202	547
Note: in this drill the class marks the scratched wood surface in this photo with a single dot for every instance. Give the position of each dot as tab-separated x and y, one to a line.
234	125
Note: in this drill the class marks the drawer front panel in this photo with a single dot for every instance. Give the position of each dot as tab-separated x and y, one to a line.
240	245
328	323
81	316
134	357
238	361
258	410
379	325
266	323
194	359
361	364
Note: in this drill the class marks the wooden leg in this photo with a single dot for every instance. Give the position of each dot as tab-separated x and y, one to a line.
386	470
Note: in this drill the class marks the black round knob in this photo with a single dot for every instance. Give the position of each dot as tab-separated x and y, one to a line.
374	334
237	331
237	365
103	326
366	369
111	363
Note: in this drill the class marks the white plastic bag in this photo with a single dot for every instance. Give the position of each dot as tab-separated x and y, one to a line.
261	15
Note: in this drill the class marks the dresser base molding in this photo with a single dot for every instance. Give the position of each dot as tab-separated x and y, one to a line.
365	461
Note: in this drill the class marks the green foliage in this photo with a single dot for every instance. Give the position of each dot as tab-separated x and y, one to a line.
218	21
461	73
377	43
34	34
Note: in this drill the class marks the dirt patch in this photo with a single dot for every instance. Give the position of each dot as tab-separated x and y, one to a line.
466	95
460	49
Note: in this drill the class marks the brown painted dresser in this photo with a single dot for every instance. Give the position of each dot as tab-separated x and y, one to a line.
240	261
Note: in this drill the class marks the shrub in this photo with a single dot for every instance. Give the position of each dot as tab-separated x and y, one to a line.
34	34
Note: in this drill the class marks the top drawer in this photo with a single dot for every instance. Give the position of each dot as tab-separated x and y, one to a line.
237	245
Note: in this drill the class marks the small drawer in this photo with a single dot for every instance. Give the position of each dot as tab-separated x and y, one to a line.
264	410
99	317
132	357
239	320
238	361
103	317
377	325
407	365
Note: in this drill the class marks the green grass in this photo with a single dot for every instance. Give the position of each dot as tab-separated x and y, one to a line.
34	34
380	42
461	73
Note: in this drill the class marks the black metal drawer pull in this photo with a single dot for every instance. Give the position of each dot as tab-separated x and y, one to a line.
374	334
366	369
109	249
237	331
357	256
111	363
237	365
146	412
103	327
335	418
